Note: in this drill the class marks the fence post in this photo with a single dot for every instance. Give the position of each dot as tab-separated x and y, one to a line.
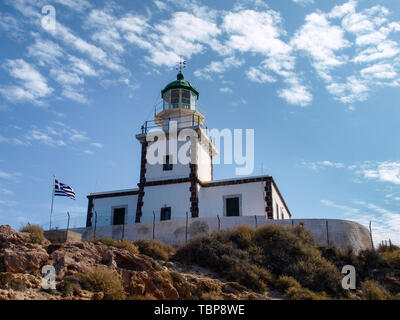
186	232
154	223
219	223
327	233
95	225
255	218
370	235
68	221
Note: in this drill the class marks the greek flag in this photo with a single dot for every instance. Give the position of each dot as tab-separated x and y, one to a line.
61	189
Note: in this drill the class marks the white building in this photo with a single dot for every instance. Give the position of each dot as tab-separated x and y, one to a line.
172	189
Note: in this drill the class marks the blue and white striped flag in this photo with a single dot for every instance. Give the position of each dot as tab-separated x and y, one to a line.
61	189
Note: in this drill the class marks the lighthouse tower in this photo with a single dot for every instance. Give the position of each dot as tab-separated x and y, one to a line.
171	183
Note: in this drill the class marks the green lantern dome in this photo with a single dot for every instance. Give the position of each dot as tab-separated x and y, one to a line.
180	83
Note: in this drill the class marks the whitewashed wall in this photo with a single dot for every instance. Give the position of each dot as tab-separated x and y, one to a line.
103	207
278	206
176	196
211	199
340	233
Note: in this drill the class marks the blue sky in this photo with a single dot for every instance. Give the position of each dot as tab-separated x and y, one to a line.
318	81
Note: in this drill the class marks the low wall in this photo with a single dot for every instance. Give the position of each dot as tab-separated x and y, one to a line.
61	236
339	233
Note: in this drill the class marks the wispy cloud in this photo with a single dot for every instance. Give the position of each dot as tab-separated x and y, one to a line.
32	86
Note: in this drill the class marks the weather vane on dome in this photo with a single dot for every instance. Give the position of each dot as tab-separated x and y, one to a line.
181	65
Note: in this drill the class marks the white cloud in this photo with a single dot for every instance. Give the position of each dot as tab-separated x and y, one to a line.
296	93
97	145
256	75
225	90
321	40
354	89
218	67
32	85
303	1
385	171
323	164
254	31
380	71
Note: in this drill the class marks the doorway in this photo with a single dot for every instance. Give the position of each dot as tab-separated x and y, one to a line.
118	216
165	213
232	206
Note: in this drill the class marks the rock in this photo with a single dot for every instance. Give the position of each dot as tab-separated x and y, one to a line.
24	259
98	296
9	236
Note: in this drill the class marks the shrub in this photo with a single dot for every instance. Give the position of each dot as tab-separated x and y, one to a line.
213	295
373	291
285	282
69	285
216	252
299	293
392	258
254	257
5	279
154	248
121	244
35	231
102	279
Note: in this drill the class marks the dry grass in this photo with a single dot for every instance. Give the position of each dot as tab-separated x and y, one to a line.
102	279
36	233
373	291
155	249
121	244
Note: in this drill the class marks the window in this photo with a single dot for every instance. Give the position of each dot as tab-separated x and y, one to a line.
167	163
175	98
232	207
193	102
165	213
166	98
118	216
186	99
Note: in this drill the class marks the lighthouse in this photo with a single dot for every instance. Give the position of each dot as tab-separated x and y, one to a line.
176	172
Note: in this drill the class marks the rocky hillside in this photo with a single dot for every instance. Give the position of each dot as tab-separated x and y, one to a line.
271	262
97	270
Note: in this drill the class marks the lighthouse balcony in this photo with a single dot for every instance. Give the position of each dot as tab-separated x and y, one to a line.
169	122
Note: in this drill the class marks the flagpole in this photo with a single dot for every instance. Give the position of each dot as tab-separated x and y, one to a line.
52	199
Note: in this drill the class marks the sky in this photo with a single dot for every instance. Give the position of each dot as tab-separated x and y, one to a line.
318	81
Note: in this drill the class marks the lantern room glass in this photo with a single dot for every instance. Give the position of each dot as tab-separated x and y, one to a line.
179	98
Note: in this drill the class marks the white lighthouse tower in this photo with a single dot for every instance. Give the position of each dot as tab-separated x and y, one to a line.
173	184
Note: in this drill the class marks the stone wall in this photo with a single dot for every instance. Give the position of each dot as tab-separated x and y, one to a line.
340	233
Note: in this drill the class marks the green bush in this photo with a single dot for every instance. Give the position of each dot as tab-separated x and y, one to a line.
254	258
373	291
35	231
299	293
154	248
121	244
102	279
